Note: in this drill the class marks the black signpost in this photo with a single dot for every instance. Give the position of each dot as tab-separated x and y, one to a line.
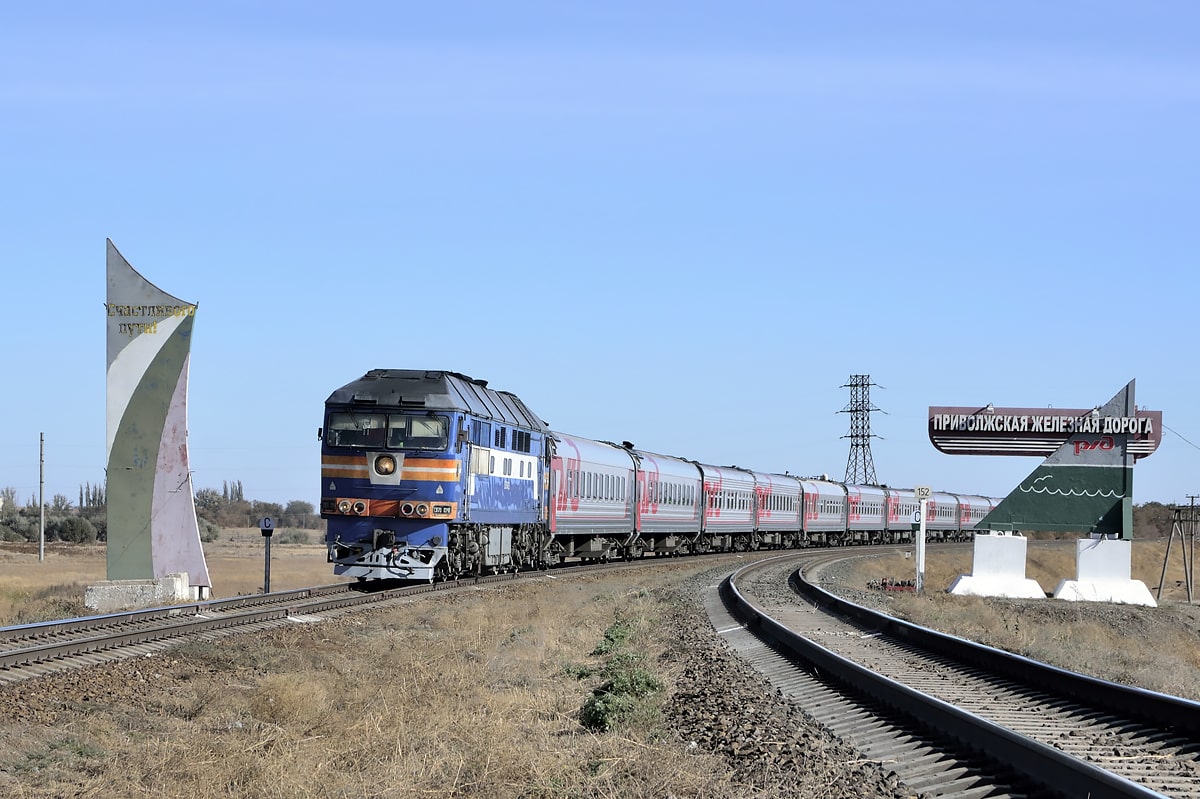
267	525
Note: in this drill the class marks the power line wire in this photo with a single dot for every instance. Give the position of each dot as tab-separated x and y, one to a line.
1197	446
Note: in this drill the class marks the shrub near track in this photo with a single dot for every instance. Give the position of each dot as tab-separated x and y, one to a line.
628	687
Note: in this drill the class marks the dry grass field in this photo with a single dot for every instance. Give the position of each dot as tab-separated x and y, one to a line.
32	589
1155	648
478	694
470	695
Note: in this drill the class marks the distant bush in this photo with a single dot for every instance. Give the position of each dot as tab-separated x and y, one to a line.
101	524
292	537
22	526
209	532
73	529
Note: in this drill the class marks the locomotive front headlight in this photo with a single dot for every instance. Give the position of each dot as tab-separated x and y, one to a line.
385	465
344	506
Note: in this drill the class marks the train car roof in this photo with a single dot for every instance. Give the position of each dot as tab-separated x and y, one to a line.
683	466
421	389
870	490
775	479
595	452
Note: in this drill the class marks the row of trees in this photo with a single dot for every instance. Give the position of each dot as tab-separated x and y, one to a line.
84	524
230	508
87	522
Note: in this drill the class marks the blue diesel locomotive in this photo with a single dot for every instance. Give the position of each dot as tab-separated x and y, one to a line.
427	473
431	474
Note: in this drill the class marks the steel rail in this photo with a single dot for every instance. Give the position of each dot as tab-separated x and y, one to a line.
1150	707
1041	763
18	632
56	641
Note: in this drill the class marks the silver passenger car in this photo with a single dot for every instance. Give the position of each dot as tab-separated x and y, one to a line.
778	500
593	490
728	507
670	508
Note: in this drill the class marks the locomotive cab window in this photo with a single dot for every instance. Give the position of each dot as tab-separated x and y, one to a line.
393	431
355	430
416	432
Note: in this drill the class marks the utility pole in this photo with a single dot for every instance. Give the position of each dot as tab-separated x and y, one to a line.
860	468
41	496
1187	550
1190	566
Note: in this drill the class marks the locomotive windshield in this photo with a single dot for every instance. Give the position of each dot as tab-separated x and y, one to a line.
386	431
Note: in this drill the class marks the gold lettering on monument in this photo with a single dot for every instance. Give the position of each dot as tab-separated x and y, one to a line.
152	312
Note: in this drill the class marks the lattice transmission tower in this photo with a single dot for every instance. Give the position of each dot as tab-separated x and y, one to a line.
860	468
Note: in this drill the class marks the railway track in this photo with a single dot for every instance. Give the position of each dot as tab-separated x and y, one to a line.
954	718
33	650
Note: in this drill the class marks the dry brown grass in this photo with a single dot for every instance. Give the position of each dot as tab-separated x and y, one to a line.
1154	648
32	589
475	694
466	696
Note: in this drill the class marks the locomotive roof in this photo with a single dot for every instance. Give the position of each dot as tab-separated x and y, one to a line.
418	389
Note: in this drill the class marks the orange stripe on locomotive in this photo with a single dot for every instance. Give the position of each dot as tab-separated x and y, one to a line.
416	469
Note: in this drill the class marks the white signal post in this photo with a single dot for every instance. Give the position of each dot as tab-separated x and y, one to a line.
923	494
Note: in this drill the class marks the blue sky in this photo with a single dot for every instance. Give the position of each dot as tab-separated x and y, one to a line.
680	224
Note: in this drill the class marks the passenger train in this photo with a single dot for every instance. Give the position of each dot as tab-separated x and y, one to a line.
433	475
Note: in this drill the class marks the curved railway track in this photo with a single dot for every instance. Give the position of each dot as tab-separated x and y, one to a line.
955	718
949	717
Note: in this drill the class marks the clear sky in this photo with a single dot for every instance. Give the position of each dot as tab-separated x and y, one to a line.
683	224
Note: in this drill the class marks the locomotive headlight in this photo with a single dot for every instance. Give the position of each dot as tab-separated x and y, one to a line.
385	465
344	506
422	509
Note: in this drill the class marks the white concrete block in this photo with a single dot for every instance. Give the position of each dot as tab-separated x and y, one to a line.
998	569
112	596
1102	574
